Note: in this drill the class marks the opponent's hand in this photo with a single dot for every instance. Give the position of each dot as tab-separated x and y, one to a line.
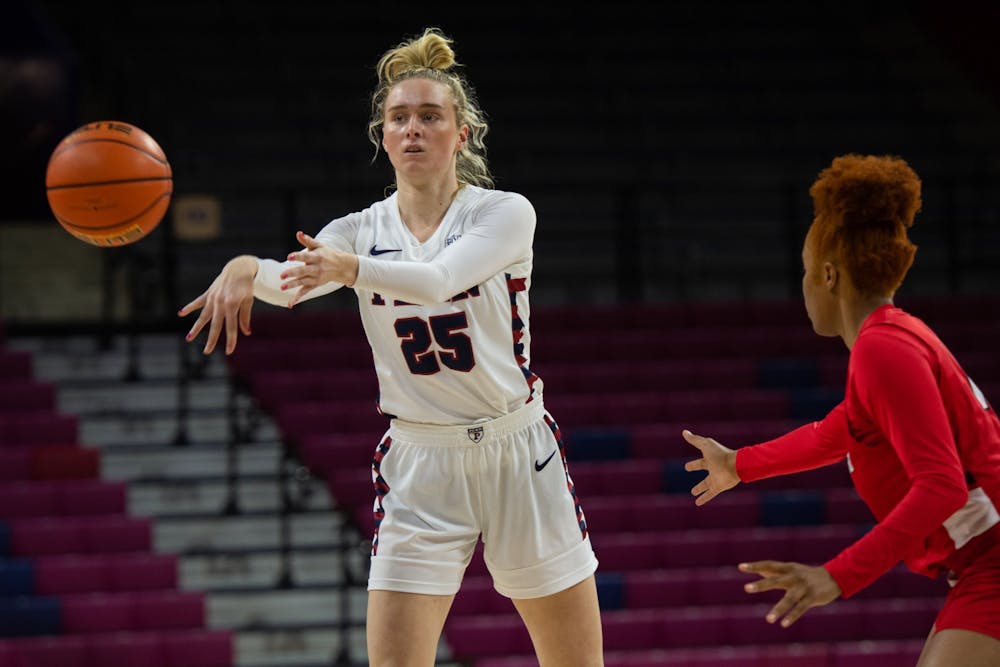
321	264
718	461
805	587
227	302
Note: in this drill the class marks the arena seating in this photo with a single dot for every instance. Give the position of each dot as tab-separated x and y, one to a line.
623	381
80	585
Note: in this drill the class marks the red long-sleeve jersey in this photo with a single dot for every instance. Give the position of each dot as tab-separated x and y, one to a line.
922	444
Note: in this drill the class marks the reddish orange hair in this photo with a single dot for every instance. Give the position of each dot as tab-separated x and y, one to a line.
863	206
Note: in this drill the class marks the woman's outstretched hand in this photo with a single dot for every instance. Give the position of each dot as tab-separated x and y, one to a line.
805	587
718	461
226	303
321	264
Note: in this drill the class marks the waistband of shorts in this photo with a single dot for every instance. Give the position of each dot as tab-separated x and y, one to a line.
976	547
467	435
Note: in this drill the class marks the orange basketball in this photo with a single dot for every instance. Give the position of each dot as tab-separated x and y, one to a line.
108	183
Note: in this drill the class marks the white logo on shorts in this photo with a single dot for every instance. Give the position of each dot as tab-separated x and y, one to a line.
476	434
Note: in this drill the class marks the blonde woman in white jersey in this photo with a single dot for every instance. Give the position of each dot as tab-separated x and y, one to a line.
442	269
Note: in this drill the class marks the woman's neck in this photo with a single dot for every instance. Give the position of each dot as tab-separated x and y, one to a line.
854	311
422	207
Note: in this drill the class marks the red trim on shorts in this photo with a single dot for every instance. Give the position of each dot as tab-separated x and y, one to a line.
381	488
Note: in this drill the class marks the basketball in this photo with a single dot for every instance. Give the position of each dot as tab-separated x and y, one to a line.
108	183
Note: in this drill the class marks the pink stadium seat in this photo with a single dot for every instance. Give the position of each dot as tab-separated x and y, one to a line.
15	463
844	505
113	534
477	596
197	648
876	653
632	629
63	575
658	512
18	395
297	421
59	651
121	649
27	499
50	499
655	589
298	324
59	575
38	427
663	439
722	585
899	618
842	621
91	497
616	478
352	488
692	627
47	536
167	610
281	387
74	535
15	364
325	453
141	571
135	611
65	462
487	636
96	613
821	543
254	355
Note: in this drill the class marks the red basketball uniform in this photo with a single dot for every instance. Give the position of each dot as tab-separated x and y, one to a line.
923	447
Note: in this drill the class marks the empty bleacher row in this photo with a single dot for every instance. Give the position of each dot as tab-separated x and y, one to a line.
80	583
623	381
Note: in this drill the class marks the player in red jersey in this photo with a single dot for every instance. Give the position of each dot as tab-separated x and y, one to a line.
921	441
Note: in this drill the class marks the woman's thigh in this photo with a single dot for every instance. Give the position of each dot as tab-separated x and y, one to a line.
565	627
403	629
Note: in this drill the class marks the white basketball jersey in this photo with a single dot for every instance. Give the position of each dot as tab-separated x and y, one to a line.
447	319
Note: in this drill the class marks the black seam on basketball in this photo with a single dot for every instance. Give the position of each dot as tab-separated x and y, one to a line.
118	182
120	223
113	141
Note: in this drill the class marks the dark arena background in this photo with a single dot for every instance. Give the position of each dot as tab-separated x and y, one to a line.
163	508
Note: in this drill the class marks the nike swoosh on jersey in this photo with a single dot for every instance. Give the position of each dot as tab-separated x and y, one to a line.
539	466
375	251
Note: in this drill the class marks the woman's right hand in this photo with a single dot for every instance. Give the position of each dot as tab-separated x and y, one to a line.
227	302
718	461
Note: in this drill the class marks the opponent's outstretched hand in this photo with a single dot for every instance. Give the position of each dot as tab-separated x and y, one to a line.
805	587
227	302
718	461
321	264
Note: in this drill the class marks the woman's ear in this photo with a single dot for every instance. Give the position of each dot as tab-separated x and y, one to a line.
831	275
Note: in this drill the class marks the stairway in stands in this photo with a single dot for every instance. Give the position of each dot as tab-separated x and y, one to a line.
82	582
623	381
159	479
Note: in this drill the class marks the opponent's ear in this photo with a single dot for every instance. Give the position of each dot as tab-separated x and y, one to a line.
831	275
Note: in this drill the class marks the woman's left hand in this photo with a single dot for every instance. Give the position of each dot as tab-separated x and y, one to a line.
805	587
321	264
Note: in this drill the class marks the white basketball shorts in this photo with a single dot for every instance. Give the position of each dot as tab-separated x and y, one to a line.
439	488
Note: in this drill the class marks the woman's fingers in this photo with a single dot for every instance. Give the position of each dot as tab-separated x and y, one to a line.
214	330
194	305
696	440
245	309
204	318
695	465
232	329
300	295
